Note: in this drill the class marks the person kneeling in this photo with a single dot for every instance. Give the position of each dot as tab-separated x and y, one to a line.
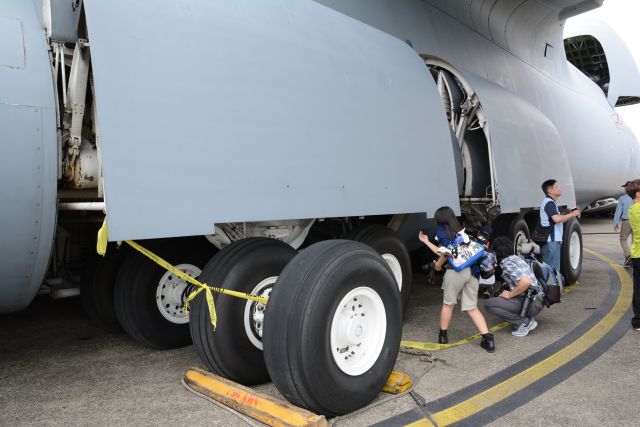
520	283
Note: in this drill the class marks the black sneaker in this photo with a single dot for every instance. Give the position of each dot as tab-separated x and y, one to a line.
442	337
488	343
627	261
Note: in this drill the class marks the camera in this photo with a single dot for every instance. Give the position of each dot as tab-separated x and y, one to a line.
528	297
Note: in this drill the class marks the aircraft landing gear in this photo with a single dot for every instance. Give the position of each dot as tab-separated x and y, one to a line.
148	299
387	243
330	330
571	251
234	349
332	327
96	288
514	227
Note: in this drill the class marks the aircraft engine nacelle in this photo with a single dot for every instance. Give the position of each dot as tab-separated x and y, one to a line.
28	152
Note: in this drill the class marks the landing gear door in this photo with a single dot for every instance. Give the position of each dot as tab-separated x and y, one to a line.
525	148
216	112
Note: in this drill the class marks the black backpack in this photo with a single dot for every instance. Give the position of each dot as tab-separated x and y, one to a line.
549	279
541	233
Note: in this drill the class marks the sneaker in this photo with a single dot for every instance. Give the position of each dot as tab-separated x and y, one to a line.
627	261
488	343
532	324
523	329
443	338
636	328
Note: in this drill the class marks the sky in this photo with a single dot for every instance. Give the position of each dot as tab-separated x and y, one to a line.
624	16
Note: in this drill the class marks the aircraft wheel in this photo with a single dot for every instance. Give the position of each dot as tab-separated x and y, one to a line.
234	349
97	286
514	227
387	243
332	327
571	251
149	299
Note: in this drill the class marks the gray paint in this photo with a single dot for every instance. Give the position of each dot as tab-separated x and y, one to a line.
289	110
519	166
12	50
592	137
61	20
28	150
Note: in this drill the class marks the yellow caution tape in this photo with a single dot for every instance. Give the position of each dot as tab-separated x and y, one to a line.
101	245
201	286
432	346
181	274
101	248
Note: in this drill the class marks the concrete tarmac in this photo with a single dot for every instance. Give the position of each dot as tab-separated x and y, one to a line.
56	368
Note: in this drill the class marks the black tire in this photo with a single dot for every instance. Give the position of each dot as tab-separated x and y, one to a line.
385	241
138	281
514	227
298	327
241	266
97	288
569	268
532	218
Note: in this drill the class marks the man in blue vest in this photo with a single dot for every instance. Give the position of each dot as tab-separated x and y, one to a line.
550	215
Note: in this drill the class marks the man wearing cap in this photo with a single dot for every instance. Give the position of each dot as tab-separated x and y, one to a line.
621	223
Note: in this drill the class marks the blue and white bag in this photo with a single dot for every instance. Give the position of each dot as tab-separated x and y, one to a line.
463	252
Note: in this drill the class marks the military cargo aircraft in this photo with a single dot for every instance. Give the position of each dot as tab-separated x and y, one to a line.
304	143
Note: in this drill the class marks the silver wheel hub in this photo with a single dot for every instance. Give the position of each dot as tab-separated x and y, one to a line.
358	331
519	239
254	311
172	292
395	267
574	250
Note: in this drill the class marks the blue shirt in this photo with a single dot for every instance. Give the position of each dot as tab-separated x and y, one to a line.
622	210
549	208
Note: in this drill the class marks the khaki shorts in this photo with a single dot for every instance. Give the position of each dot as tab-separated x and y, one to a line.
460	284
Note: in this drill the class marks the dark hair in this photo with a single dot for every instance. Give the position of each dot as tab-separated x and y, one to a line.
503	247
632	188
547	184
446	218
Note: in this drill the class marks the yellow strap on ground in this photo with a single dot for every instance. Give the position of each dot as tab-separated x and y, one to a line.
432	346
101	244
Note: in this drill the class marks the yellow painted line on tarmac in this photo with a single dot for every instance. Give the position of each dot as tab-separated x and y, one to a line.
422	423
432	346
527	377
